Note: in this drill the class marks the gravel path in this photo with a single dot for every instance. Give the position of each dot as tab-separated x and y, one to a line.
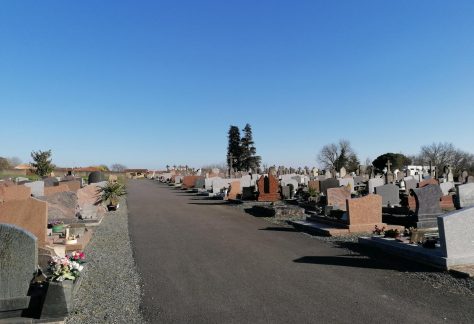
110	291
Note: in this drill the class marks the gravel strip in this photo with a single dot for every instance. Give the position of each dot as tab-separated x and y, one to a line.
110	291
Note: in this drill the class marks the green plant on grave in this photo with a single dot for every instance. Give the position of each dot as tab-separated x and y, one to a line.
313	192
392	233
111	193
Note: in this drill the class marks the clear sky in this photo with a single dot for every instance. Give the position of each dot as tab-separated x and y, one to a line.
150	83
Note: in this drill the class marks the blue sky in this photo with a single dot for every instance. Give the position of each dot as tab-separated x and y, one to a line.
150	83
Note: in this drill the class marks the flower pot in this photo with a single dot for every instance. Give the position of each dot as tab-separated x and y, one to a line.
112	207
58	228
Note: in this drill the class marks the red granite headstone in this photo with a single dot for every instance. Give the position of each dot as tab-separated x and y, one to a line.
268	187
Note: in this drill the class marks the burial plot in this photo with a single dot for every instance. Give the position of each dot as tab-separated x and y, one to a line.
389	193
465	195
48	191
336	197
18	260
427	205
457	237
268	188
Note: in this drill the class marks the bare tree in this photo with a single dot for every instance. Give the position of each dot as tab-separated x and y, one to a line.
117	167
335	156
442	154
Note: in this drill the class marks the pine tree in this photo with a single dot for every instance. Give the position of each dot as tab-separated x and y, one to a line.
42	162
234	148
249	159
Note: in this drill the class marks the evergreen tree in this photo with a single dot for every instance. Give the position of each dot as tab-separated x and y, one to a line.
249	159
42	162
234	148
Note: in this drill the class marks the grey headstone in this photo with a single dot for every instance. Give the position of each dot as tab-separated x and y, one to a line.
347	181
390	194
410	184
358	181
457	237
37	188
427	205
375	182
200	183
327	184
465	195
50	182
18	260
95	177
248	193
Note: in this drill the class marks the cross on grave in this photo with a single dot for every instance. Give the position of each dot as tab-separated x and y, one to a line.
389	164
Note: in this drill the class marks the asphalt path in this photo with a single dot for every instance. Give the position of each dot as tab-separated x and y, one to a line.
204	262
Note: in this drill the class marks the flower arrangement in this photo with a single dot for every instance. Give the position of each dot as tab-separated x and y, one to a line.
66	268
56	222
378	231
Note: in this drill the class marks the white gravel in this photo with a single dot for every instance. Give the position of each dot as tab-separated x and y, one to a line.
110	291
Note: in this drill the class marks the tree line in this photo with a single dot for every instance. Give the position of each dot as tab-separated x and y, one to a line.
334	156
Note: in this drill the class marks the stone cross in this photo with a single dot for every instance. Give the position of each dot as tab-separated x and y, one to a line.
389	164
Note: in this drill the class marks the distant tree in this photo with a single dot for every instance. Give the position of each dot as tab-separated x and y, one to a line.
4	164
443	154
117	167
234	148
335	156
103	167
42	162
14	161
248	157
397	160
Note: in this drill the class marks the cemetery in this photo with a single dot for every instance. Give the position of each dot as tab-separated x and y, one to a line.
413	213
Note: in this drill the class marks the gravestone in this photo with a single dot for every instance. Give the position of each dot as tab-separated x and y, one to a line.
446	187
248	193
200	183
268	188
234	190
410	183
390	194
327	184
470	179
375	182
50	181
364	213
347	182
465	195
286	192
359	181
37	188
288	182
457	237
313	184
427	205
428	181
336	197
18	260
342	172
94	177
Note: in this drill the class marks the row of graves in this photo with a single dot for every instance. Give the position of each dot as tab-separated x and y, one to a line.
411	213
44	227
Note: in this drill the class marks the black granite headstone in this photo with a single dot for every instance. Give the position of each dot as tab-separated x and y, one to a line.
427	205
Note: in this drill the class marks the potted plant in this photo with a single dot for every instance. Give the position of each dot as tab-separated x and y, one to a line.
110	194
57	225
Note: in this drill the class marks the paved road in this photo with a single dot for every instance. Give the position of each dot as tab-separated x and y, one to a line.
202	262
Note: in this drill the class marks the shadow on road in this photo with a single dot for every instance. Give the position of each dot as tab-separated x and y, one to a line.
279	229
362	257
